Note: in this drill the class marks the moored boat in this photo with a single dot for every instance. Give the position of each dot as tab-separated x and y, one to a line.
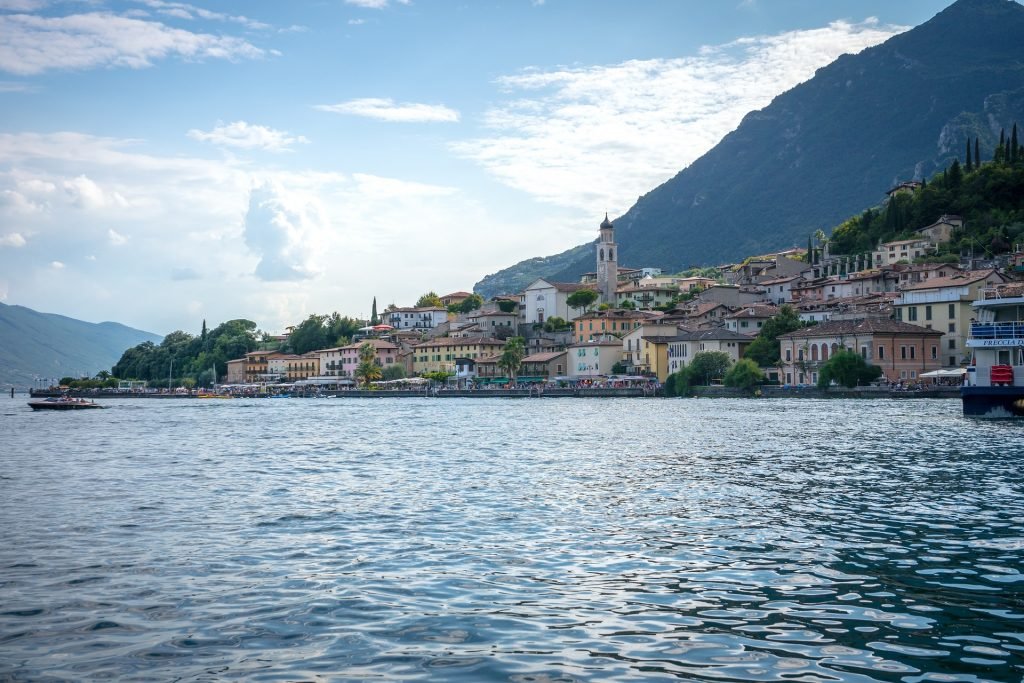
63	403
994	384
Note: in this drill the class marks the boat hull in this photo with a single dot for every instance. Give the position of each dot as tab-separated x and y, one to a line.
62	405
993	402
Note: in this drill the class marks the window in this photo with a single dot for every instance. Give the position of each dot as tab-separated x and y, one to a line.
935	352
952	360
881	353
913	352
927	312
903	352
952	311
952	327
789	355
912	314
899	314
952	344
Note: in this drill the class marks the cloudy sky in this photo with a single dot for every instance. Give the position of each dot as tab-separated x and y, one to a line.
165	162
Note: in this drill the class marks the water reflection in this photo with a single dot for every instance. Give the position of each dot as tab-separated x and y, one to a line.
541	540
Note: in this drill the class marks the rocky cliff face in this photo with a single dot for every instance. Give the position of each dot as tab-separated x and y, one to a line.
826	149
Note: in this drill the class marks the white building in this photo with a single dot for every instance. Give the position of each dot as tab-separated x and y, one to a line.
544	299
426	318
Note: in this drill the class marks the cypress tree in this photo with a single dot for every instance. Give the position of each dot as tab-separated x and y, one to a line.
374	320
955	174
203	334
1013	145
970	166
810	250
1000	148
977	152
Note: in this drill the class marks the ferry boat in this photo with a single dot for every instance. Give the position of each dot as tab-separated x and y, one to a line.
994	384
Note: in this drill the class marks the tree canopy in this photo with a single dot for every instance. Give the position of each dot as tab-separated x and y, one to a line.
848	369
430	299
707	366
582	298
744	375
182	355
766	350
512	356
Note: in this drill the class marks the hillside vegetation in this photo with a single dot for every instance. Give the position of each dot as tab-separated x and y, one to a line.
827	148
989	197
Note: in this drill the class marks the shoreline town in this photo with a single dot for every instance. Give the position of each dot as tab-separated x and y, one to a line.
912	320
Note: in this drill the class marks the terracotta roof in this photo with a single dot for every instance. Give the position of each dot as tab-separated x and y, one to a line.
956	280
378	344
755	311
543	357
860	326
714	334
620	314
461	341
454	295
779	280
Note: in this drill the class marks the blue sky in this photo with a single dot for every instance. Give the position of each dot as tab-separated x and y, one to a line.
165	162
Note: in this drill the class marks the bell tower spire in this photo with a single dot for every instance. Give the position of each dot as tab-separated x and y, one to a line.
607	262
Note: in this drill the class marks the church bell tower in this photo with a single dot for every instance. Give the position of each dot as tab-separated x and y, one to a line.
607	265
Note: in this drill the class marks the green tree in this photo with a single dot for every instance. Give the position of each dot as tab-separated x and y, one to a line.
512	357
744	375
678	383
582	298
628	305
707	366
471	303
556	324
970	164
508	306
430	299
374	318
393	372
367	372
309	335
848	369
765	350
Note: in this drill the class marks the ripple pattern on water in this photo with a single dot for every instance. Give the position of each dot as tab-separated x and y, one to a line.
519	540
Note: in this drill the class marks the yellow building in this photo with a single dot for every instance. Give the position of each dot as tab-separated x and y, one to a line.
944	304
655	356
438	355
614	322
257	368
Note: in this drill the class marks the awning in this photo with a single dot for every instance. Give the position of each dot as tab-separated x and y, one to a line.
952	372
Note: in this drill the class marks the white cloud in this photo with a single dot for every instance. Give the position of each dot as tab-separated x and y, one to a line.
182	10
85	193
34	44
56	265
116	238
12	239
374	4
356	22
388	110
22	5
15	86
282	228
330	239
592	138
248	136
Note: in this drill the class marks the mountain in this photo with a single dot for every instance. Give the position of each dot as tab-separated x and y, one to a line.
46	345
824	150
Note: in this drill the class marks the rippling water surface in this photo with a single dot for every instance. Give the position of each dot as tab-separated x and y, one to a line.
521	540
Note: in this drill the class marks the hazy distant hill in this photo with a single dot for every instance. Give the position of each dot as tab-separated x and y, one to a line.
826	149
34	344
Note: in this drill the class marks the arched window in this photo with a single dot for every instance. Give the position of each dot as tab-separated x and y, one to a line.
814	352
824	351
601	257
611	254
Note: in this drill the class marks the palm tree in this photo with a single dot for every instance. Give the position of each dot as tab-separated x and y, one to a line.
512	357
367	371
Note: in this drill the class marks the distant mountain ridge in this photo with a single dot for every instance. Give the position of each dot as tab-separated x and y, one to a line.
47	345
824	150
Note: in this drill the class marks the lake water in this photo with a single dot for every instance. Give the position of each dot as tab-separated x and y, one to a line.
511	540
